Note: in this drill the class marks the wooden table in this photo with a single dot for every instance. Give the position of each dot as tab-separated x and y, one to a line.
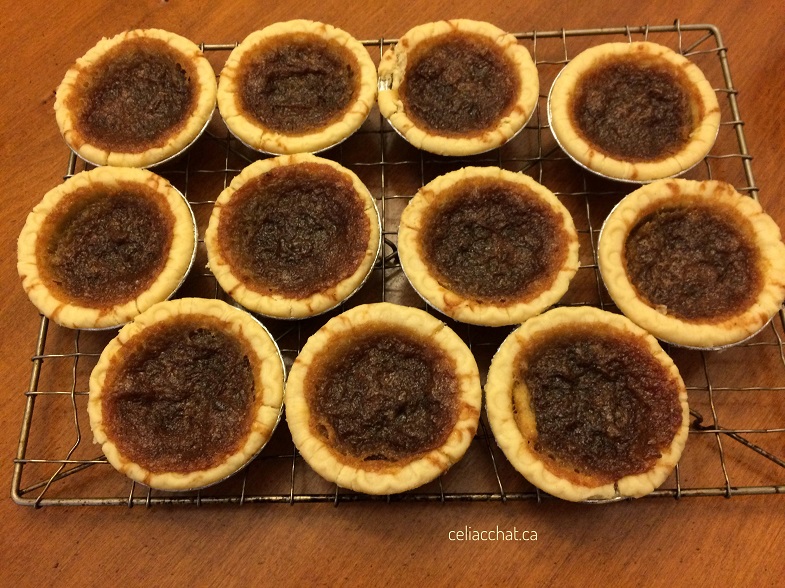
693	541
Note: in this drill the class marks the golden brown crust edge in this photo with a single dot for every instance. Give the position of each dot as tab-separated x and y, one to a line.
392	70
667	327
453	304
253	134
499	394
76	316
328	463
701	140
277	305
269	380
203	109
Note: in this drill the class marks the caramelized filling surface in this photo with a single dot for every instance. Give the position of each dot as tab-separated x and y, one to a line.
383	394
493	241
694	261
135	96
296	230
633	110
459	84
603	405
181	397
298	83
103	246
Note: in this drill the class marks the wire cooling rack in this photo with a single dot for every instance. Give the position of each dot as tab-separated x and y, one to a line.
737	434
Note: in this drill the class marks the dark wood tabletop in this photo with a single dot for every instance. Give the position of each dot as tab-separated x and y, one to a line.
736	540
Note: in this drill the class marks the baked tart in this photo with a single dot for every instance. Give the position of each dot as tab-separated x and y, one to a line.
187	394
488	246
694	263
383	399
104	246
633	111
293	236
137	99
457	87
586	405
295	87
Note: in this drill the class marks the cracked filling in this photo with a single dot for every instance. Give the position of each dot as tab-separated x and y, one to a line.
296	230
135	96
180	398
694	262
298	83
604	406
634	109
459	84
102	246
383	393
493	241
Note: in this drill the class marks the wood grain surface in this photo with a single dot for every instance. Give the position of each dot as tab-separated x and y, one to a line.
659	542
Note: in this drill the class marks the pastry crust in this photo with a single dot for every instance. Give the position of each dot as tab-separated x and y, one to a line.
257	136
379	477
667	327
705	109
464	308
268	381
275	304
75	315
171	145
517	433
392	70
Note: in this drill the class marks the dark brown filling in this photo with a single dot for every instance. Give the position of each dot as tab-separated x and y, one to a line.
695	261
633	110
603	405
493	241
181	396
459	84
296	230
383	393
298	84
135	97
105	246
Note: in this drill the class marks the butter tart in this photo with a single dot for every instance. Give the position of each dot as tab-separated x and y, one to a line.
383	399
633	111
186	394
694	263
104	246
457	87
587	406
488	246
293	236
297	86
136	99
